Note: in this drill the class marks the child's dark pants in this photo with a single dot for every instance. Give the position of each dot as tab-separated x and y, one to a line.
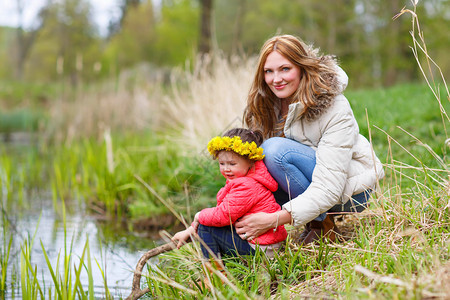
223	241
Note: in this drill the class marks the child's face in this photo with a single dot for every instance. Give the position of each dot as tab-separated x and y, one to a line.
233	165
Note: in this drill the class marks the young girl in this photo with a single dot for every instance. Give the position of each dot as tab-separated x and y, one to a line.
248	190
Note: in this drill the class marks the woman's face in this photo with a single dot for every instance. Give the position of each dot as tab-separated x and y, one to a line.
282	76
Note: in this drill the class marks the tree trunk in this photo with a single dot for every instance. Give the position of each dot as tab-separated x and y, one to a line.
236	45
204	45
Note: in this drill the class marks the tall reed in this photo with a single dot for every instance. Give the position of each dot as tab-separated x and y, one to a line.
4	256
65	271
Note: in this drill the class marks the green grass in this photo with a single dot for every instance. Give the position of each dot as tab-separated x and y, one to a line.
411	107
394	250
391	252
5	256
402	245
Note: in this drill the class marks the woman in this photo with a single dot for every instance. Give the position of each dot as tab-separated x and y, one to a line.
313	148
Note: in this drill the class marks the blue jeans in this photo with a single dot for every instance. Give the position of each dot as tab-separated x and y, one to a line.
223	241
290	161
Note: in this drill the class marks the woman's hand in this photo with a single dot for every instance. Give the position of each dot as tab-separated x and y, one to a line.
251	226
182	236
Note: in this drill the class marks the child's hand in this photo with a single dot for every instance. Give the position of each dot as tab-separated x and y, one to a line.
195	223
181	237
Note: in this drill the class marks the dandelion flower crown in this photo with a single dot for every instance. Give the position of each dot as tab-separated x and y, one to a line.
235	144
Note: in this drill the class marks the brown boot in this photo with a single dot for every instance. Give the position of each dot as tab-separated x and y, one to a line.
214	268
216	265
319	230
304	233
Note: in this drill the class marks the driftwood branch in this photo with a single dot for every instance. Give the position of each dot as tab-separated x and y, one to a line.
136	291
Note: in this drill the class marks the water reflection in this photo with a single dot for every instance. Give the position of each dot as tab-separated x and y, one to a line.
113	249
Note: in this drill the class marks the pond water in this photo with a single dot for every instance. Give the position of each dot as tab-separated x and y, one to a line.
114	249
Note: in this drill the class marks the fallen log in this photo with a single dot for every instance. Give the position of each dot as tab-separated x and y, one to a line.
136	291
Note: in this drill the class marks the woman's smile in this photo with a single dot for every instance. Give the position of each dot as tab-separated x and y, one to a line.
280	87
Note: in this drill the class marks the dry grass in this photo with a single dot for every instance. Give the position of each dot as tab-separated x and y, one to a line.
132	103
208	100
197	105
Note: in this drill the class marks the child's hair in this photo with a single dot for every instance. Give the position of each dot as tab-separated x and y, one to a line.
246	135
242	141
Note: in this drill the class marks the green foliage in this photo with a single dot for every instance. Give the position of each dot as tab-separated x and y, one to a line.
396	250
20	120
372	47
177	32
67	46
168	39
35	94
133	44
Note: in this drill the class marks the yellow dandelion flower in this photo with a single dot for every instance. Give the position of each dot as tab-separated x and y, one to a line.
236	145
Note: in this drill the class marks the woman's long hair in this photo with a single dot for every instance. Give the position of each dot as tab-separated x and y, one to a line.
316	90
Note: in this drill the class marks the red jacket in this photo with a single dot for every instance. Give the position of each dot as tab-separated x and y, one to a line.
244	196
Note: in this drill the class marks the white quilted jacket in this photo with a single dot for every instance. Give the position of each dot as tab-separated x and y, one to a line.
345	162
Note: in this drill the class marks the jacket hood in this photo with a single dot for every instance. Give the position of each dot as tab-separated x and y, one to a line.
262	175
341	80
337	80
